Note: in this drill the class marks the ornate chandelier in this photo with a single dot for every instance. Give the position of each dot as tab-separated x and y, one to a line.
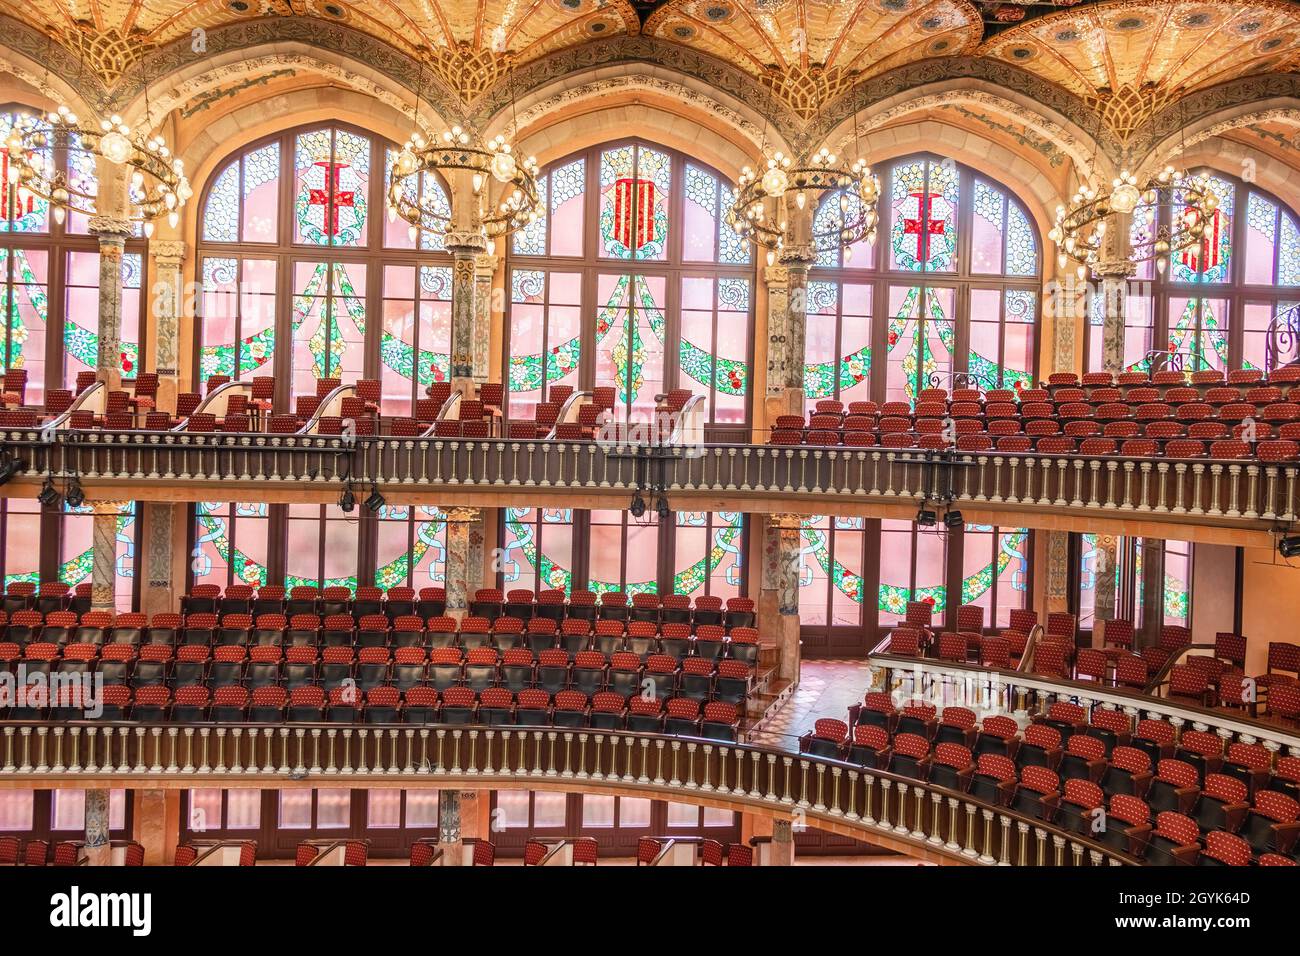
825	172
520	203
1080	229
157	187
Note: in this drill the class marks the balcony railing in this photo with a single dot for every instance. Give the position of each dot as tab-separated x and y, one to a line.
952	684
1242	494
857	801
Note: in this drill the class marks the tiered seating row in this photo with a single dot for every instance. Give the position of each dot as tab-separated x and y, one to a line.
1091	774
1184	421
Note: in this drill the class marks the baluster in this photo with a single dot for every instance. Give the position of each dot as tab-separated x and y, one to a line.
986	857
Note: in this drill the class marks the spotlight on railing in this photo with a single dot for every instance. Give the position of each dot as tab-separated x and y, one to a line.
637	508
347	500
1289	546
49	495
952	520
926	517
664	511
74	496
375	501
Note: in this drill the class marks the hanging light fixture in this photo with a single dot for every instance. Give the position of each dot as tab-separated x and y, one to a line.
757	208
157	187
459	149
1081	227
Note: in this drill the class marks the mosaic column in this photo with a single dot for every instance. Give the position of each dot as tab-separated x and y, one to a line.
166	305
159	567
112	235
778	602
1153	589
464	557
98	850
465	247
104	567
797	260
1058	571
778	308
485	266
1104	563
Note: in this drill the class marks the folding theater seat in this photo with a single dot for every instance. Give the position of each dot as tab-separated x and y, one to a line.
911	756
373	631
432	602
1038	793
1175	841
682	716
202	599
516	669
302	663
710	641
645	714
552	670
335	600
1066	718
1286	777
1249	763
740	613
507	632
645	608
481	668
642	638
419	705
1175	787
1084	759
1081	802
440	632
458	704
474	631
608	711
234	629
995	652
444	667
998	735
951	766
343	705
957	726
268	630
994	780
1202	750
1155	738
496	707
58	627
613	606
919	718
582	605
303	630
410	667
337	666
870	747
732	681
660	676
151	703
570	709
1222	804
519	603
1040	746
827	739
876	709
696	681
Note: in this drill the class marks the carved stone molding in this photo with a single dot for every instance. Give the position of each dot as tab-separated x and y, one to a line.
110	228
168	253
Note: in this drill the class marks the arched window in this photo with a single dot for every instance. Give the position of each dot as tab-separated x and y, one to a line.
1213	303
301	280
951	286
632	279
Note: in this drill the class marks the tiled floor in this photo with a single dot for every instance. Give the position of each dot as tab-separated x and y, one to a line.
826	689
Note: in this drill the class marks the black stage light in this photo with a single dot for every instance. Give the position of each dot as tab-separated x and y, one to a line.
1289	547
375	501
664	511
925	518
952	520
75	497
347	500
638	505
49	495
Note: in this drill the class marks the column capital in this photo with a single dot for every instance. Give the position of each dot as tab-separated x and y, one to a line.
467	242
485	264
796	256
169	253
786	522
110	228
463	515
776	275
107	507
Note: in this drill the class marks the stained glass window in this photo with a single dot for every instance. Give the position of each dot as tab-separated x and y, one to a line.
77	551
230	544
995	571
635	186
624	553
709	554
1230	324
329	323
20	211
415	347
681	319
81	317
412	548
25	296
424	188
990	272
331	173
924	195
831	575
537	548
21	520
322	547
